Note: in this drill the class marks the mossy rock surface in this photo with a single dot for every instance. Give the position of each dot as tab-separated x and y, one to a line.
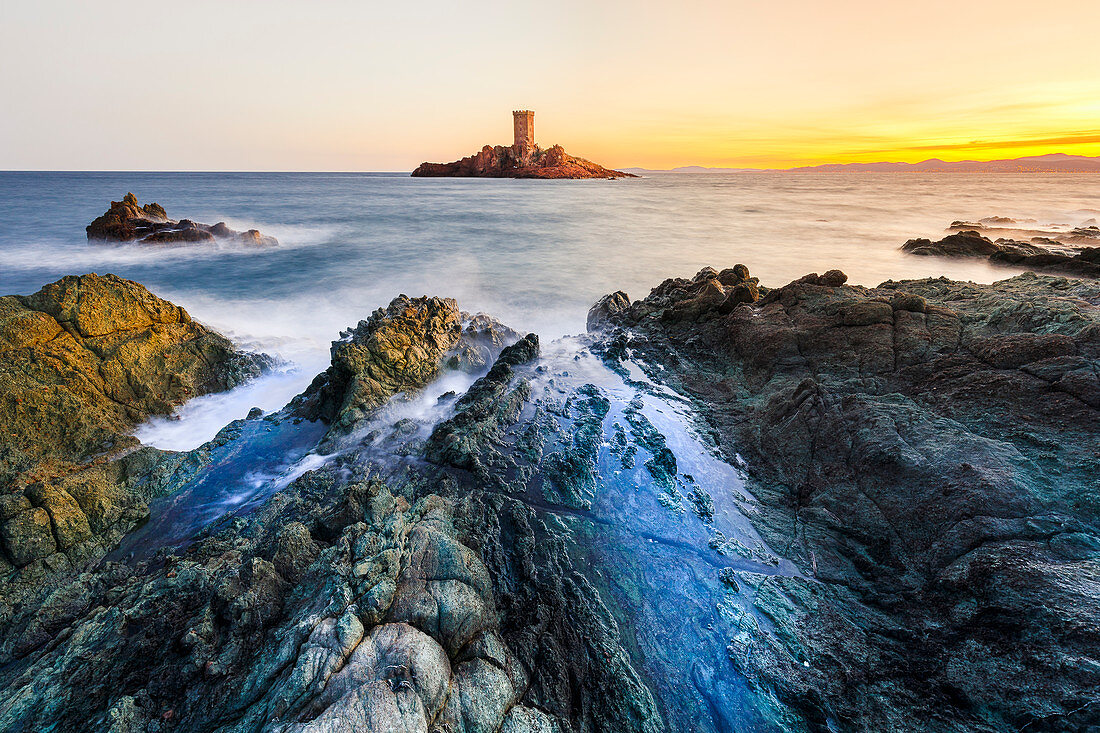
82	362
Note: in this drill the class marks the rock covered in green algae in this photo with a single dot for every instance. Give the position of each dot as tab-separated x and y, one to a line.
400	347
385	618
451	598
926	450
82	361
569	475
86	358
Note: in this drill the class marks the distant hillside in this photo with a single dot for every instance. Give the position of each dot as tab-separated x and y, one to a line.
687	169
1052	163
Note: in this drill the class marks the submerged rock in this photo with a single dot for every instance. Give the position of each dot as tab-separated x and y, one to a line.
127	221
926	450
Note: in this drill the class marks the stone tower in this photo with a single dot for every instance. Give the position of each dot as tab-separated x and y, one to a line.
523	122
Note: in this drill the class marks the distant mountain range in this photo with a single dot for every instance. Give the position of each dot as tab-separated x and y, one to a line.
1052	163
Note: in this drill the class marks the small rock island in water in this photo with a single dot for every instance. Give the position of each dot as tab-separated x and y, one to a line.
524	159
1062	248
128	221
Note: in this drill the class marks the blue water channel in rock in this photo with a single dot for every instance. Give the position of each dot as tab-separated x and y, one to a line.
658	520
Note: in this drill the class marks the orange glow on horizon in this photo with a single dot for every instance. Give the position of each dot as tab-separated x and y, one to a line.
1025	121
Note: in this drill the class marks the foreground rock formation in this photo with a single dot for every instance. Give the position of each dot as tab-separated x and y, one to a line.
1064	252
128	221
807	508
82	362
344	603
505	162
926	451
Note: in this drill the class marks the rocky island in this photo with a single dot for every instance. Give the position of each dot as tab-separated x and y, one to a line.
524	159
128	221
803	508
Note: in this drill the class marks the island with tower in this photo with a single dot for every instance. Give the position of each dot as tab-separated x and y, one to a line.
523	159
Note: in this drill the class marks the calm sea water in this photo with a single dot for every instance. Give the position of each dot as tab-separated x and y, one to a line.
536	254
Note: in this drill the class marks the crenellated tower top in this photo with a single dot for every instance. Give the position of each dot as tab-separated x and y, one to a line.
523	124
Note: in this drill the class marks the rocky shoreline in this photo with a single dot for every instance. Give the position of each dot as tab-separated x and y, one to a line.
927	452
82	362
812	507
1067	250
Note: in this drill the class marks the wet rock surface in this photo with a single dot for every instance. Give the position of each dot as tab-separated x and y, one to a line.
505	162
129	221
815	507
709	294
364	595
1067	252
368	614
926	451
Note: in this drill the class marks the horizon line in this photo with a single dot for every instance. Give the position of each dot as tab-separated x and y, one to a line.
731	168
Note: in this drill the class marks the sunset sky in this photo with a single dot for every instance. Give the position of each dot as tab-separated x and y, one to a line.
251	85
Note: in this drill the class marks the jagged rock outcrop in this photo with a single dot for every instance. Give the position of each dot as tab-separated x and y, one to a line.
400	348
338	610
559	548
926	451
346	603
505	162
710	293
606	309
82	362
481	412
1040	253
128	221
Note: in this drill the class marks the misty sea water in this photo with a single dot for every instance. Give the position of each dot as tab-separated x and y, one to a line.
535	254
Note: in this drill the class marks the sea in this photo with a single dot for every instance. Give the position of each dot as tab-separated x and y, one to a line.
535	254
